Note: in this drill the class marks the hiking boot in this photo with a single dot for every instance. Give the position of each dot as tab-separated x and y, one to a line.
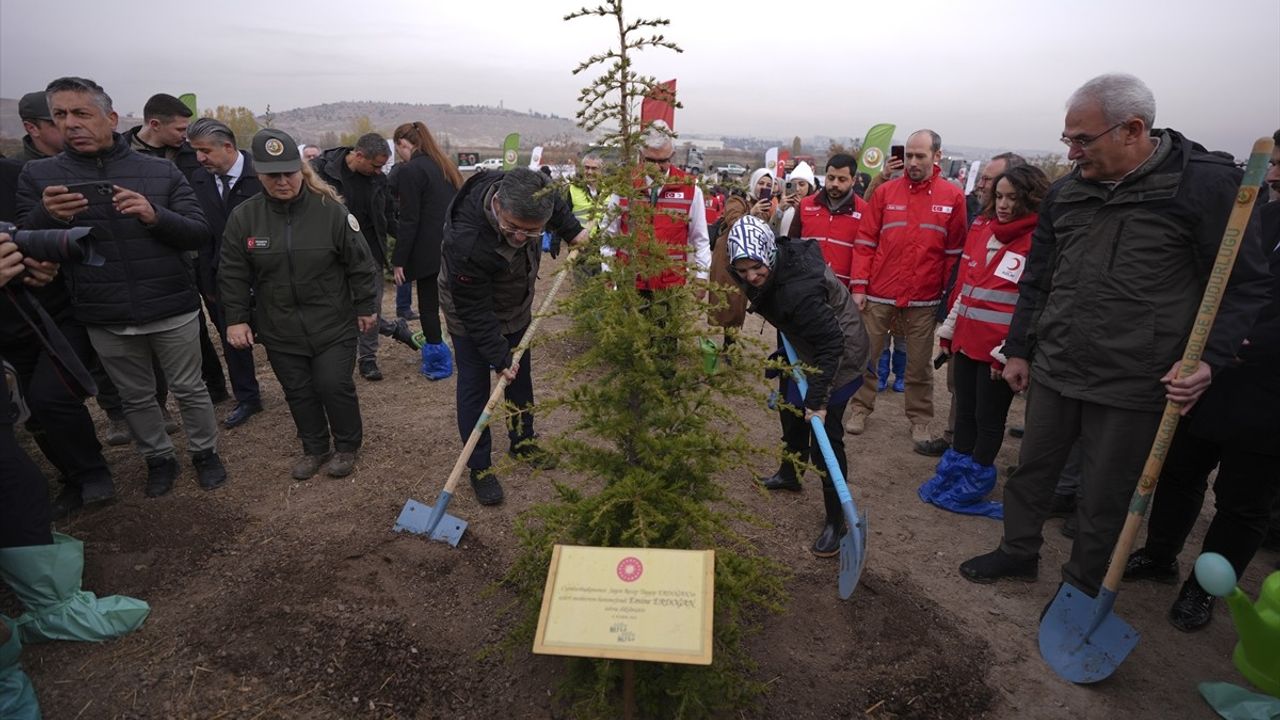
1141	566
307	466
67	502
342	464
210	472
486	486
400	332
857	423
828	542
784	479
96	491
1193	609
369	370
1063	505
924	443
118	432
170	425
528	452
1000	565
161	472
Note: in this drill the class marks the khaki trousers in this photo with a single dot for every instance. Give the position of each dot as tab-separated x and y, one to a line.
916	325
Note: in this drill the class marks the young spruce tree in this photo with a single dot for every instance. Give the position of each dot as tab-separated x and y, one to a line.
651	425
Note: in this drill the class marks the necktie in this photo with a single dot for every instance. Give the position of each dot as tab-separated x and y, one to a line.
226	187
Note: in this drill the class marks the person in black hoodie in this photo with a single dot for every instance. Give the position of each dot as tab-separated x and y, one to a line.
1234	427
426	182
141	301
356	173
790	284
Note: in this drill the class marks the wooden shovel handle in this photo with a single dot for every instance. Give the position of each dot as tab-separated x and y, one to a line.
496	396
1232	238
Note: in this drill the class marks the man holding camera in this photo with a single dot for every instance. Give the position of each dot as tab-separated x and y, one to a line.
141	300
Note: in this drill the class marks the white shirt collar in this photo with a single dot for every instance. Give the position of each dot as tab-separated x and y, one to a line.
233	175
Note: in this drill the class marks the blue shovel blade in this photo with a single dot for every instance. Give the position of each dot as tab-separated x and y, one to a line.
853	553
417	518
1081	639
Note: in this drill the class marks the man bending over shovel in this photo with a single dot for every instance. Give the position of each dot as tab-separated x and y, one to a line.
489	263
1118	264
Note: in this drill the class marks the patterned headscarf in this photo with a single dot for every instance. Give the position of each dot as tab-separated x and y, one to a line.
750	237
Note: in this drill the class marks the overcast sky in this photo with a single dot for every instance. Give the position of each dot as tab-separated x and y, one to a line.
984	73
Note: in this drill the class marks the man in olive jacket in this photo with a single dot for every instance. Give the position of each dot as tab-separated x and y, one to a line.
489	264
1118	265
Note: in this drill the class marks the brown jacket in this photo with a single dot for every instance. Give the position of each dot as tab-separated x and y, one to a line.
735	313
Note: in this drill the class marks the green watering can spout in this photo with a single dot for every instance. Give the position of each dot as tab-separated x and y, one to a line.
1257	654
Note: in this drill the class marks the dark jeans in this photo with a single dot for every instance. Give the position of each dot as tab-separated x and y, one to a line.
240	365
474	375
404	299
429	308
322	396
1113	447
1244	491
798	436
24	493
982	404
60	422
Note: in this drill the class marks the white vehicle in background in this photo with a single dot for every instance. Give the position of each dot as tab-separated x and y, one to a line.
489	164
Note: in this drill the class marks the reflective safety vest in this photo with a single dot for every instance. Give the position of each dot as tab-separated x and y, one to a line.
989	290
670	221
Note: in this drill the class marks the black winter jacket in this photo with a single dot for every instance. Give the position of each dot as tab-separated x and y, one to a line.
424	195
374	210
1116	274
184	156
486	285
147	275
208	191
805	301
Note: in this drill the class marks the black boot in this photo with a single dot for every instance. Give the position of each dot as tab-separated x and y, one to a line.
1193	609
784	479
161	472
828	543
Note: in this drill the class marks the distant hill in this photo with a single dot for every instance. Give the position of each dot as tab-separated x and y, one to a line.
463	125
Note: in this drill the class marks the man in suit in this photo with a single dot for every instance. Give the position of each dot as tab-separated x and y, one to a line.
224	179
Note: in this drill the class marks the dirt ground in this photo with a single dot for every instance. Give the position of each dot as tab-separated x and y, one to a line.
277	599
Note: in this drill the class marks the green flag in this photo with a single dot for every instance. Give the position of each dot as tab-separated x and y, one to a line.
875	147
509	148
189	99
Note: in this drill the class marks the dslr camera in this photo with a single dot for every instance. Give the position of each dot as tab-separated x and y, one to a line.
67	246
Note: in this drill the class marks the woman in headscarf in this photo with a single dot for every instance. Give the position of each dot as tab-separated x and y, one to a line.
789	284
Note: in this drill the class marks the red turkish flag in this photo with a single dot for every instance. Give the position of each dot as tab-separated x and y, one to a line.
660	104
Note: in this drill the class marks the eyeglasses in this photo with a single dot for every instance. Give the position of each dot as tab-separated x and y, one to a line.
519	234
1083	141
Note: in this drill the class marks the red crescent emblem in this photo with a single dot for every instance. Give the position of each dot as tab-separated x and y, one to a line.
1017	263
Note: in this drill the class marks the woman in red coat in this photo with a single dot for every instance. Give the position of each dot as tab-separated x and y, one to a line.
995	255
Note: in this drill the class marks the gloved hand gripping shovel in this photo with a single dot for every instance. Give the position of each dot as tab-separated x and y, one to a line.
853	545
1080	638
432	520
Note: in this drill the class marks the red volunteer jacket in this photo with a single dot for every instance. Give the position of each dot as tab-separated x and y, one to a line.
836	231
989	290
715	207
908	241
671	228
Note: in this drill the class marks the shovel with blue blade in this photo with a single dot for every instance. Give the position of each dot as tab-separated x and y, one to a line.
1080	638
853	545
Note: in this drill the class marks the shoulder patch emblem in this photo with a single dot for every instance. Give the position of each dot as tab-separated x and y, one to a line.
355	224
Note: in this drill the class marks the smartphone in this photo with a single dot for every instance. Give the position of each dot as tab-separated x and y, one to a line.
97	193
899	152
